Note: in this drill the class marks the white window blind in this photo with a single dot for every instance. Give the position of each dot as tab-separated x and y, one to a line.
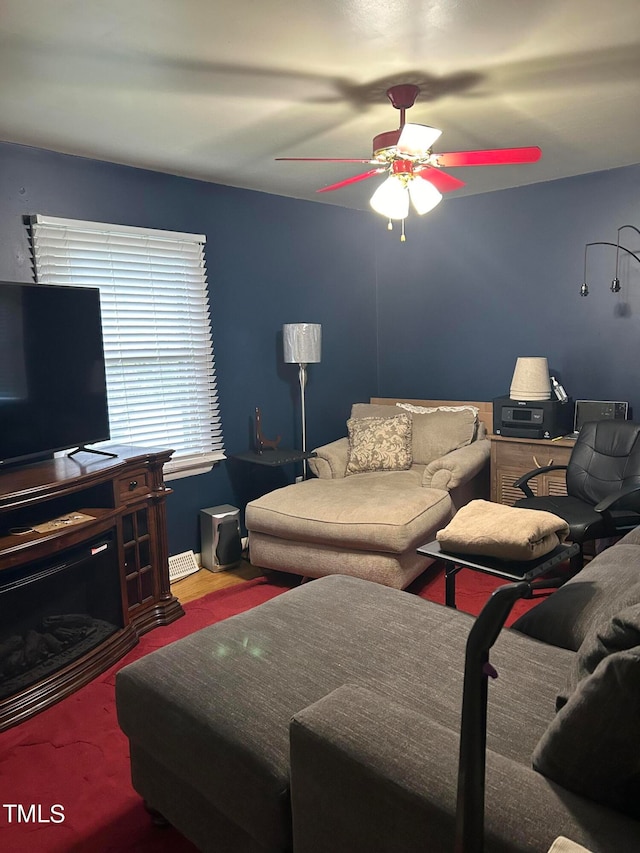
157	330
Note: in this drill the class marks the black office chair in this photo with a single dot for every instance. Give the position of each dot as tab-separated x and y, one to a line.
603	484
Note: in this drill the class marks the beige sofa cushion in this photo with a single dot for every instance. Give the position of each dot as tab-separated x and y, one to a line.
379	444
373	410
434	433
384	511
565	845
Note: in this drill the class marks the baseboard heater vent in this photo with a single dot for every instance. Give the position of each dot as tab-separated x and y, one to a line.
182	565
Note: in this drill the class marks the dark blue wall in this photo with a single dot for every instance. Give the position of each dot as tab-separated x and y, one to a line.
270	261
485	279
480	281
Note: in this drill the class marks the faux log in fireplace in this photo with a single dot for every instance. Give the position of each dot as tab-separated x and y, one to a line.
83	571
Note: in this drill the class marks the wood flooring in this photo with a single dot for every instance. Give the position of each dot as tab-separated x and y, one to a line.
203	582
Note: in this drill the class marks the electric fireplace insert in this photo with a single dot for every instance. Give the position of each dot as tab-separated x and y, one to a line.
57	610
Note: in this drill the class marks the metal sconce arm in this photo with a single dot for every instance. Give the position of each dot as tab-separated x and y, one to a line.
615	284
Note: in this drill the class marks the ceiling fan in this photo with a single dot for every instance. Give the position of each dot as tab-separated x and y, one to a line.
414	171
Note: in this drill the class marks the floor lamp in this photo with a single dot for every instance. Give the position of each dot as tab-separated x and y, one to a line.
302	346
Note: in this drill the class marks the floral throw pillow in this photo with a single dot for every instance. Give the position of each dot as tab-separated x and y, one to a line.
379	444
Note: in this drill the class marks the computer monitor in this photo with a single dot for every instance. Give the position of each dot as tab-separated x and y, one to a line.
599	410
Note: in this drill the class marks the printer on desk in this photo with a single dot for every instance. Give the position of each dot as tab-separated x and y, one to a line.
537	406
532	419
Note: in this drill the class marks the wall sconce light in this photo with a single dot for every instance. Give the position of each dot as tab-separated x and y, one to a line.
302	343
615	282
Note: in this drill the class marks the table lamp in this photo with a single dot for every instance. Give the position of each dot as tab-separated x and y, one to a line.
531	380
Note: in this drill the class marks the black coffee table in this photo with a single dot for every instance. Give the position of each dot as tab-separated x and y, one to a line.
510	570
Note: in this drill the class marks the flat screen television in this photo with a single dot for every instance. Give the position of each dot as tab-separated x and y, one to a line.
53	393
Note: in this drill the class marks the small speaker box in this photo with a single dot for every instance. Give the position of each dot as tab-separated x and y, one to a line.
220	540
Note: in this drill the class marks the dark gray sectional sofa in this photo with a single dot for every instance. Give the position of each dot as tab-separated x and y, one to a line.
327	720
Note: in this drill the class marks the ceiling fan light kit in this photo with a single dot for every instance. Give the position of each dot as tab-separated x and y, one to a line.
391	199
424	196
414	172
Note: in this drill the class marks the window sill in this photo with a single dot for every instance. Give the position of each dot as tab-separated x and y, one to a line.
190	472
176	469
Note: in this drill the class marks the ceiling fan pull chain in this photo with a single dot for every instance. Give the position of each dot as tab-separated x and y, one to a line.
403	238
390	225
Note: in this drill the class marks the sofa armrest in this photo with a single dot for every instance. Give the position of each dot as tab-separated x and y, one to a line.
458	467
330	461
368	773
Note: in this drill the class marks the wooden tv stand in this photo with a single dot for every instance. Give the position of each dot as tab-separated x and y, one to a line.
125	500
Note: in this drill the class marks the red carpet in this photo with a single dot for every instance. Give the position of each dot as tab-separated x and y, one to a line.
73	754
472	591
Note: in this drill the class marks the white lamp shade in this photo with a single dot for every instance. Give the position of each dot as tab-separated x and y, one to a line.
531	380
424	196
391	199
417	139
302	342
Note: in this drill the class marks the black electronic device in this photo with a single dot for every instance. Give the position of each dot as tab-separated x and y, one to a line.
599	410
532	419
53	393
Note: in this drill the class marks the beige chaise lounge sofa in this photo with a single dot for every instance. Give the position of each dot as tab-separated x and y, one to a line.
377	494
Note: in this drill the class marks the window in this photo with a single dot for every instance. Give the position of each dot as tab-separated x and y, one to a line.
157	330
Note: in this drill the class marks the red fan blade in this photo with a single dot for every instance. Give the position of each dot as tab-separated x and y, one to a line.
491	157
440	180
327	159
352	180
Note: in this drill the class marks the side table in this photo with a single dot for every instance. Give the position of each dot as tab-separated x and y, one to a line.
273	458
510	570
513	457
254	473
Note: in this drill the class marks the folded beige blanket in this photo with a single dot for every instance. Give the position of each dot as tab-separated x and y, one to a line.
505	532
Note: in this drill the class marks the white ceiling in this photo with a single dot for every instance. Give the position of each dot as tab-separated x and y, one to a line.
216	89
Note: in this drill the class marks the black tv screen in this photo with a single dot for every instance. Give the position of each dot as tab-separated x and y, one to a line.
53	392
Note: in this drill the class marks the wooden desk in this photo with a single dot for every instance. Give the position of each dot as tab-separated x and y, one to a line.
513	457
